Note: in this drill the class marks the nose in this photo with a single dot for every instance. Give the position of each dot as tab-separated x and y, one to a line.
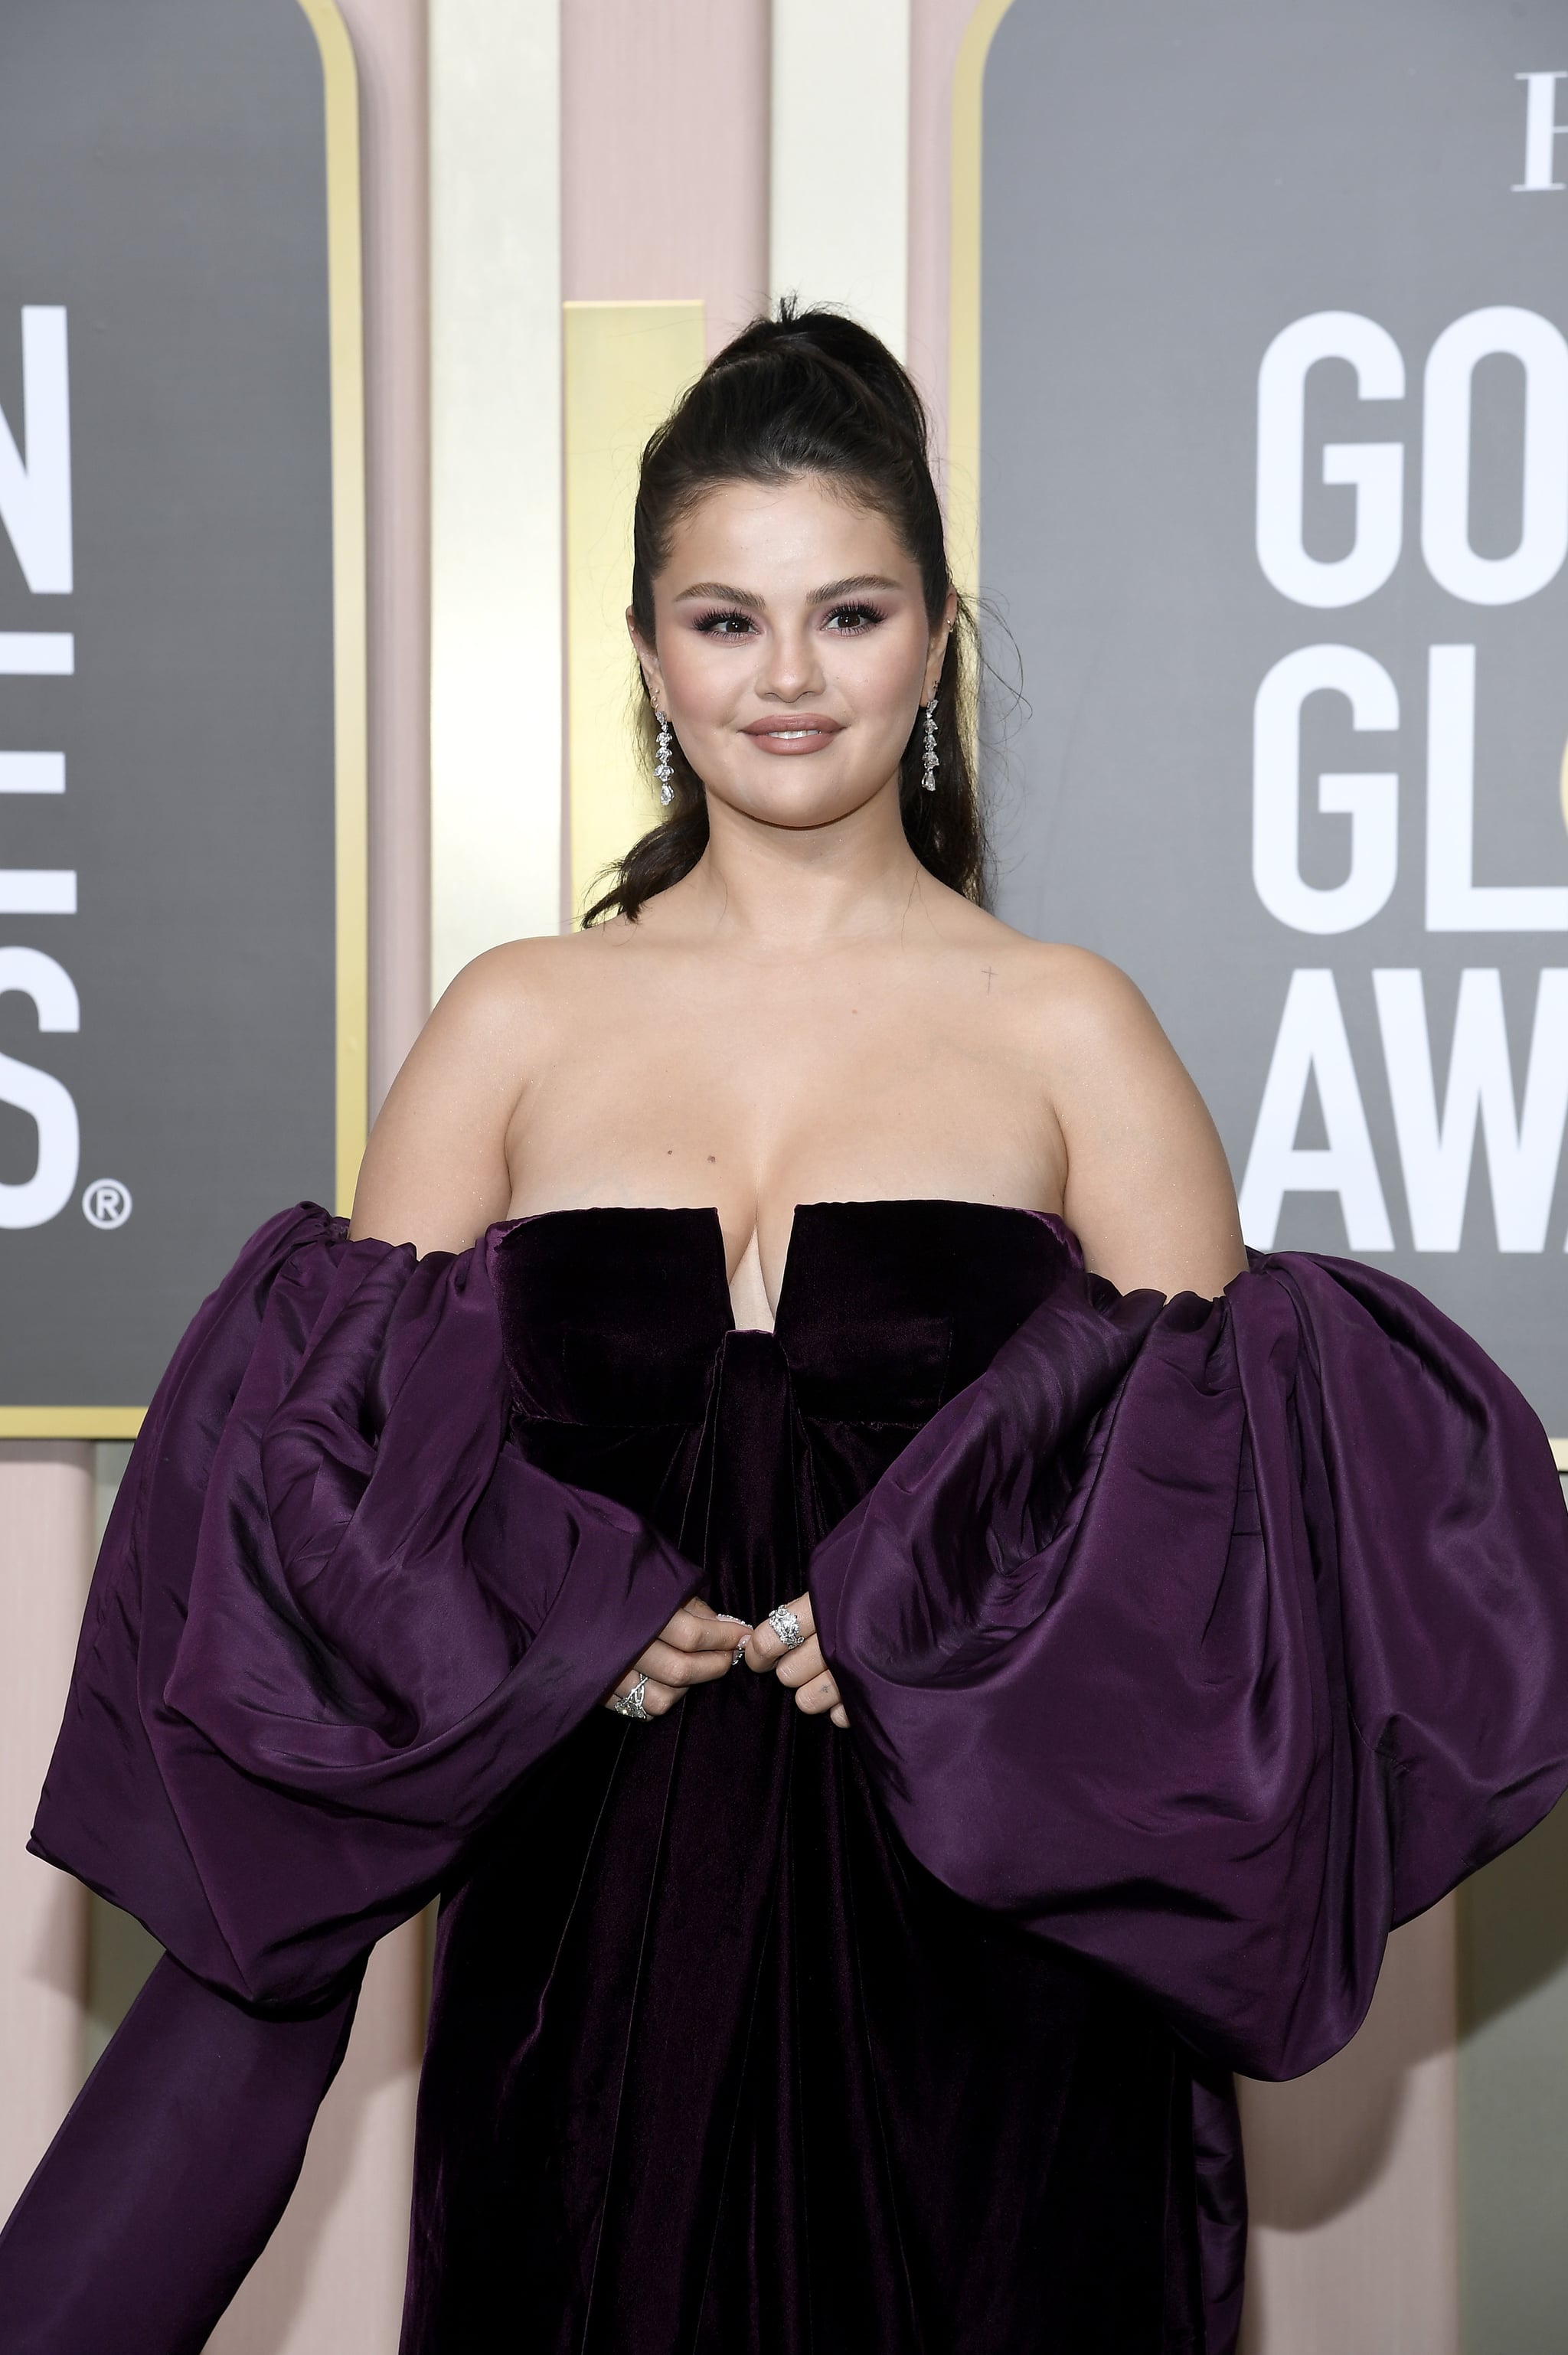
791	666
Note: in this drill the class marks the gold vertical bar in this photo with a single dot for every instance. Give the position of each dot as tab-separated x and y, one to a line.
963	296
624	364
347	343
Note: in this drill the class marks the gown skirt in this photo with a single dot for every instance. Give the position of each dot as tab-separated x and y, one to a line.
715	2068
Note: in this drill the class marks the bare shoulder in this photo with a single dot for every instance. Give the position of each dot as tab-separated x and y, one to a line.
1066	976
1087	1008
1073	1001
1098	1038
511	1004
523	978
435	1172
1147	1190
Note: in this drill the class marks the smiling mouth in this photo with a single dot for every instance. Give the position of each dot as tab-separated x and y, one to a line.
795	736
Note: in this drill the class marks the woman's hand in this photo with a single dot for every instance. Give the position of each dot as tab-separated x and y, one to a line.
696	1646
799	1666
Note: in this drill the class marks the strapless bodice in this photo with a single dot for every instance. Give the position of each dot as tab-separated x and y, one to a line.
629	1374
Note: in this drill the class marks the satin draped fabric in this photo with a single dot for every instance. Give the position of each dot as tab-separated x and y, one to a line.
337	1615
1189	1645
1212	1640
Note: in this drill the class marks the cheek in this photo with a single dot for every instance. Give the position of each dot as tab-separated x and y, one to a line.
881	677
701	684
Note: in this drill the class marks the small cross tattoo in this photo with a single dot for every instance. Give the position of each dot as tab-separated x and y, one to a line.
989	972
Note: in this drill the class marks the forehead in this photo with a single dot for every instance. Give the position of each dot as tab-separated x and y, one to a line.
793	534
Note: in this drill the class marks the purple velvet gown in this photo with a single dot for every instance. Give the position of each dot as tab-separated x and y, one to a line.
1187	1646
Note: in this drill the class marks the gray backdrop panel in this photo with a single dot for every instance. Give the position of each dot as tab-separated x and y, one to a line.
1165	189
162	176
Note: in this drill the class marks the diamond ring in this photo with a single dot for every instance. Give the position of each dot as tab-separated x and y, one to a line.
630	1704
786	1626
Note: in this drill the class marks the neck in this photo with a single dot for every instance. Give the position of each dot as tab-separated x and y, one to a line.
778	887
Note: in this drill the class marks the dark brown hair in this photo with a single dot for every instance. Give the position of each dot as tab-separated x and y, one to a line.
808	393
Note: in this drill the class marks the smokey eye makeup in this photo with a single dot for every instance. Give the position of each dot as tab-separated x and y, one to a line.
845	621
724	622
850	620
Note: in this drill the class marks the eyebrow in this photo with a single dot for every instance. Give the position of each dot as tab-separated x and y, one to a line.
720	593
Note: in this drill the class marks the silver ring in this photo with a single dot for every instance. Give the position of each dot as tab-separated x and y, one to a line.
630	1704
740	1652
786	1626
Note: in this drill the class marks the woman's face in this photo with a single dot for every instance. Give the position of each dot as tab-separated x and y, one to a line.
793	649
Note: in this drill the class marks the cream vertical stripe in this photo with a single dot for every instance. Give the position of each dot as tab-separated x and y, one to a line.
391	42
46	1554
496	651
330	2281
840	180
1352	2177
625	363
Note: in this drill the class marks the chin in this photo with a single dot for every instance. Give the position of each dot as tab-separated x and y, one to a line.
800	812
800	801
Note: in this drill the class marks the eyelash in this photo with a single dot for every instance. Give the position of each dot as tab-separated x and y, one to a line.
860	617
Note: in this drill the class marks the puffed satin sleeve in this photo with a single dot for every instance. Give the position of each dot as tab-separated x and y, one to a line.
1213	1639
336	1618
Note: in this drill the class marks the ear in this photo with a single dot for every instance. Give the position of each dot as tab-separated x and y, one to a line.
653	676
937	654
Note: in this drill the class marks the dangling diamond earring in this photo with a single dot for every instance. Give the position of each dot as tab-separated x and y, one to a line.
664	767
928	767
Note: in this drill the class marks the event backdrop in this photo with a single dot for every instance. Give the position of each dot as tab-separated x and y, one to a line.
566	200
1275	499
177	983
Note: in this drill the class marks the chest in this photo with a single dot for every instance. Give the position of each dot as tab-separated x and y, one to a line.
764	1083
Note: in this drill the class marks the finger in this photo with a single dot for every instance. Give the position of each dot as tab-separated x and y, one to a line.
672	1668
657	1699
798	1667
818	1696
741	1630
839	1716
767	1646
691	1631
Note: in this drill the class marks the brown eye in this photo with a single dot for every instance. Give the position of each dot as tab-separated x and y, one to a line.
848	619
724	626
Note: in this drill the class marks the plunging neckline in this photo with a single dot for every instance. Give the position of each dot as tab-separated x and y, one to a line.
711	1212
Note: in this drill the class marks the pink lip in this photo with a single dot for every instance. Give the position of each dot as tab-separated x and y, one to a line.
808	731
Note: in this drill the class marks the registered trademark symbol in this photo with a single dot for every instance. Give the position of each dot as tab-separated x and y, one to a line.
106	1203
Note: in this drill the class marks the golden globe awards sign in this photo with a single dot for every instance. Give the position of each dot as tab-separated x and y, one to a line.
1275	496
181	695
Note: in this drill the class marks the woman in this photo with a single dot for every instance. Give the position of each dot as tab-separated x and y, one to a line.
1034	1674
